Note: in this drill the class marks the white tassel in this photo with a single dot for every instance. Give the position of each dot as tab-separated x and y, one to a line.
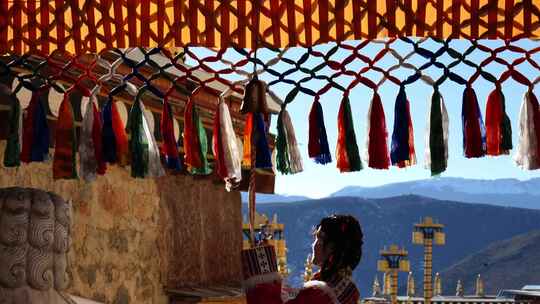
231	154
295	158
526	156
155	168
87	156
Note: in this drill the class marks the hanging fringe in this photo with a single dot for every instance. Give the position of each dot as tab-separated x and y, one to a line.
318	148
474	132
114	137
288	159
255	133
402	151
498	128
64	163
35	138
14	140
436	152
169	148
138	142
347	155
528	151
225	147
377	150
87	154
195	142
155	169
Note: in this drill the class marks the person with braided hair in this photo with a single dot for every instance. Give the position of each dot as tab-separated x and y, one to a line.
337	250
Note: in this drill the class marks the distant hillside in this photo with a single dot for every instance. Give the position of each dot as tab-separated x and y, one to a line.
501	192
508	264
469	228
274	198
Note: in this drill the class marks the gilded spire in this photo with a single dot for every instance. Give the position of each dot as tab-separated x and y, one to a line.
438	286
376	287
410	285
479	286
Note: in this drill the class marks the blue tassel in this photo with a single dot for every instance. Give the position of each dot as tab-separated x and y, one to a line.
40	145
325	157
263	155
108	138
400	136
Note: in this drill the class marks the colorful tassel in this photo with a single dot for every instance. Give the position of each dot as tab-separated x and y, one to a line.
498	128
436	153
318	148
225	147
402	151
169	148
255	133
90	147
195	142
474	132
65	148
288	159
347	155
35	138
114	138
138	143
528	151
14	137
155	168
377	155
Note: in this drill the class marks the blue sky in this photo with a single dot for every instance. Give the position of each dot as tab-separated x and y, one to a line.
322	180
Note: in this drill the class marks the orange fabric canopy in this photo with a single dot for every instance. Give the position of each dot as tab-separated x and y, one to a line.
81	26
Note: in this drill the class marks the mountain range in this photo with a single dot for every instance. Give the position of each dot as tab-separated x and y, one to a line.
500	192
501	265
469	229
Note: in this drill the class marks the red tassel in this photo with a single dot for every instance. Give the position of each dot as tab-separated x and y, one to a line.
97	139
169	147
28	129
494	116
473	133
248	132
122	145
377	145
218	147
65	145
343	163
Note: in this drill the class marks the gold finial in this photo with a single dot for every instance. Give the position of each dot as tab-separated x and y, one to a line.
479	286
459	289
438	286
282	267
376	287
308	271
410	285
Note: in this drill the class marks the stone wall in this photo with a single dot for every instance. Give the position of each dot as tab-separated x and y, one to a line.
133	238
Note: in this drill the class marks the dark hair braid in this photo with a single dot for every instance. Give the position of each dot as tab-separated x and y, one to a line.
344	234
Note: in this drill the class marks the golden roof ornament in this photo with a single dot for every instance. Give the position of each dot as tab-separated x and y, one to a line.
410	285
459	289
437	290
479	286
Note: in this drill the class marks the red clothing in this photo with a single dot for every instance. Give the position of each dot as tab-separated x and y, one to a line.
314	292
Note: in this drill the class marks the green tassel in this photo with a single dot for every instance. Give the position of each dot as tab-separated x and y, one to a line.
13	146
203	142
506	128
352	148
436	136
282	156
138	144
